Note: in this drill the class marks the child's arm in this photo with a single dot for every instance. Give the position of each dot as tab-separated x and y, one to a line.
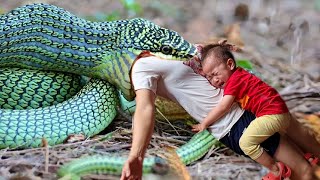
217	112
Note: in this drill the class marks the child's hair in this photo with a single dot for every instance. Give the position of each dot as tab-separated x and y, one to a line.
220	50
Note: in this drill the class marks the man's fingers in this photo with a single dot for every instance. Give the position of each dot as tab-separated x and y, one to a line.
194	130
125	174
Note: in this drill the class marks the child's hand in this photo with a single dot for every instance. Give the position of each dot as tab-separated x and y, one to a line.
198	127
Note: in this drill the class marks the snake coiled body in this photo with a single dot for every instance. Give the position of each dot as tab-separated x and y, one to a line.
48	38
31	89
89	112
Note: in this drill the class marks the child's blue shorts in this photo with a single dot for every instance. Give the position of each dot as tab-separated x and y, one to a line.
231	139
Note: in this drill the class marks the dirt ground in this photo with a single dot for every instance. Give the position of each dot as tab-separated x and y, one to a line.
280	38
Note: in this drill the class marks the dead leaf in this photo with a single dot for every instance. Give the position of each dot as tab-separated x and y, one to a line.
75	138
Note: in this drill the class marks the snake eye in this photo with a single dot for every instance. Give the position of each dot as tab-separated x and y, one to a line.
166	49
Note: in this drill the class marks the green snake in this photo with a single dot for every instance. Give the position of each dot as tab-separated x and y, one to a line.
45	49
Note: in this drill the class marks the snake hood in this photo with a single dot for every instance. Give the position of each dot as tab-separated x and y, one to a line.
47	37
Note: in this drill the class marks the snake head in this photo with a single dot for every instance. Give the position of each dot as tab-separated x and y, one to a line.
162	42
134	36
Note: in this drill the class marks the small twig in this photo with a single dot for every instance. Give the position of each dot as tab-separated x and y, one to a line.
169	139
46	150
118	147
123	114
181	137
167	120
161	122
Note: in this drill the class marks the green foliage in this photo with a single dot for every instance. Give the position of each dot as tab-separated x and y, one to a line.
317	5
131	9
2	11
246	64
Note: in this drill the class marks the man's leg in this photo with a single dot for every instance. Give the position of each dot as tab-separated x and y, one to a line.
291	156
301	137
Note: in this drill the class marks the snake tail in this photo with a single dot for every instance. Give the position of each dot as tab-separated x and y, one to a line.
108	164
199	144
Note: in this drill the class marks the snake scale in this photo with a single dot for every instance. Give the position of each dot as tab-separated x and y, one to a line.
44	53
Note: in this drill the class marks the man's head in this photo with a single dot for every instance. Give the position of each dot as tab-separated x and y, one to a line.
218	63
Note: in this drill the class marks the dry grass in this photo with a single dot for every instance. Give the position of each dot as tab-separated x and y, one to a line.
42	163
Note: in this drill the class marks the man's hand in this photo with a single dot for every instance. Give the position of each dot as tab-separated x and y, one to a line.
132	169
198	127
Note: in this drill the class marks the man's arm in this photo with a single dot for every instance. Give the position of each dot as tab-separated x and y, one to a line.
215	114
143	125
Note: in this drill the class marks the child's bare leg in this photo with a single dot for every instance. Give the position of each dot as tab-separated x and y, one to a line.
258	131
288	153
267	161
301	137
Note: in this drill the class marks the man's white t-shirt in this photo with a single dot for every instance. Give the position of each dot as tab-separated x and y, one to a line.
178	82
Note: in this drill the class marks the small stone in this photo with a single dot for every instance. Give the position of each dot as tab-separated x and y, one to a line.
241	12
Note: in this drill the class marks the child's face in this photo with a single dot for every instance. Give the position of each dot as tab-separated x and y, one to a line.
217	72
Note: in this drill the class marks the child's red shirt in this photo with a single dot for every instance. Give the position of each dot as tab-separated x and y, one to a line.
254	95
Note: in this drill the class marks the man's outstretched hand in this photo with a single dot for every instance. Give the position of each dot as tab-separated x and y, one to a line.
132	169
